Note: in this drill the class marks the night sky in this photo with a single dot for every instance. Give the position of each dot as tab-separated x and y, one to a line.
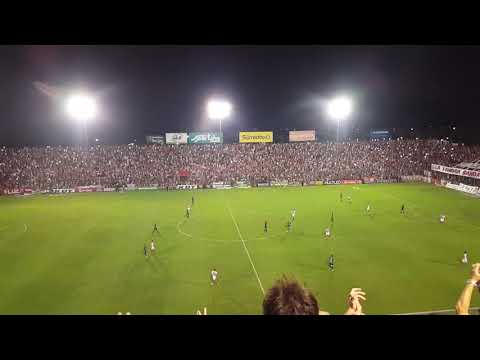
153	89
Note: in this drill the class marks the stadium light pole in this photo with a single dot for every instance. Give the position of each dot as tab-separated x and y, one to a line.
82	108
218	109
339	109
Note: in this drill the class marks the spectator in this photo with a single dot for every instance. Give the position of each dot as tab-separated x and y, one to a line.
288	297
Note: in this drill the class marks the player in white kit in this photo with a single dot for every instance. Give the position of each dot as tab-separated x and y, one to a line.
294	212
214	276
442	218
327	232
465	257
152	246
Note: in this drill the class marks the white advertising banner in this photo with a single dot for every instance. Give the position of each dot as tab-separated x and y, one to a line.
186	187
456	171
176	138
305	135
474	190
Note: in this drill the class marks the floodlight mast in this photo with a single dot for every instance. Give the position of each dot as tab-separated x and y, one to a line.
219	110
339	109
83	108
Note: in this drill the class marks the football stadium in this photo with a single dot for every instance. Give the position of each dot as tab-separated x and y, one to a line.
248	222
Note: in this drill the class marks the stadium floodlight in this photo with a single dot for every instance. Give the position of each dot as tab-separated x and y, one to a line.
218	109
81	107
339	109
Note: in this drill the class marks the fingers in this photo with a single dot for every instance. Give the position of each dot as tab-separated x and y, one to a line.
356	294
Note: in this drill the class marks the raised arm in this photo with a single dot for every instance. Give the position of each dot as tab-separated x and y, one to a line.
463	303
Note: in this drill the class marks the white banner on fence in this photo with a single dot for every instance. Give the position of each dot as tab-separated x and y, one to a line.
475	190
456	171
218	185
186	187
242	185
412	178
176	138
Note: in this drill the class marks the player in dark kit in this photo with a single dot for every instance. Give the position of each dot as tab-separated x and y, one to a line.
193	200
145	250
289	226
402	210
331	262
341	197
265	228
155	229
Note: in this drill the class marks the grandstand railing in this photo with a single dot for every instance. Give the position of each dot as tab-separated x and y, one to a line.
473	311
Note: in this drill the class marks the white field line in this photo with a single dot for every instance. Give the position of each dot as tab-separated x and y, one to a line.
179	229
436	311
246	250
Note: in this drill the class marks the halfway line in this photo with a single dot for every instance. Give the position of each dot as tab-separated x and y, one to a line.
246	250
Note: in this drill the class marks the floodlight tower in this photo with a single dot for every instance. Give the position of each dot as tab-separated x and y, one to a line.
218	110
83	108
339	109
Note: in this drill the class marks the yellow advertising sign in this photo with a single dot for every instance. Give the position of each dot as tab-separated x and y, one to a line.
256	137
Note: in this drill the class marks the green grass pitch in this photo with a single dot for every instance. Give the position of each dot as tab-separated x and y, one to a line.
83	253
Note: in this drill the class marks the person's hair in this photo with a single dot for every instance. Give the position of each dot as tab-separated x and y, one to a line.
288	297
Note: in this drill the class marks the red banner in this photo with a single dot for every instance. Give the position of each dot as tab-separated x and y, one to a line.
82	189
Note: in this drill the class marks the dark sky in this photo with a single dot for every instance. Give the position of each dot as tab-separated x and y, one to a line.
164	88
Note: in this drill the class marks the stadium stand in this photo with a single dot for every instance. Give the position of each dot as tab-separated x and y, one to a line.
165	166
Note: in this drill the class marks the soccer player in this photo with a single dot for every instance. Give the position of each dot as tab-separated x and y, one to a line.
265	228
465	257
155	229
443	218
331	218
294	212
213	275
331	262
289	226
368	208
327	232
341	197
188	212
145	250
402	210
193	200
152	246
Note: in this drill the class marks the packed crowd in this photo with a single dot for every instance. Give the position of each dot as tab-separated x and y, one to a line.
167	165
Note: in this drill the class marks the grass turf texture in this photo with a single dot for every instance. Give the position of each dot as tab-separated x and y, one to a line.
83	253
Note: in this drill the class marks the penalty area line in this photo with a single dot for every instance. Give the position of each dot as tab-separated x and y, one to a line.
246	250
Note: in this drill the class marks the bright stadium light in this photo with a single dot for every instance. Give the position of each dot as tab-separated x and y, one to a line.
83	108
219	110
339	109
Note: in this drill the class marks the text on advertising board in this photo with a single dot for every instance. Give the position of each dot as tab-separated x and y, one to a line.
256	137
